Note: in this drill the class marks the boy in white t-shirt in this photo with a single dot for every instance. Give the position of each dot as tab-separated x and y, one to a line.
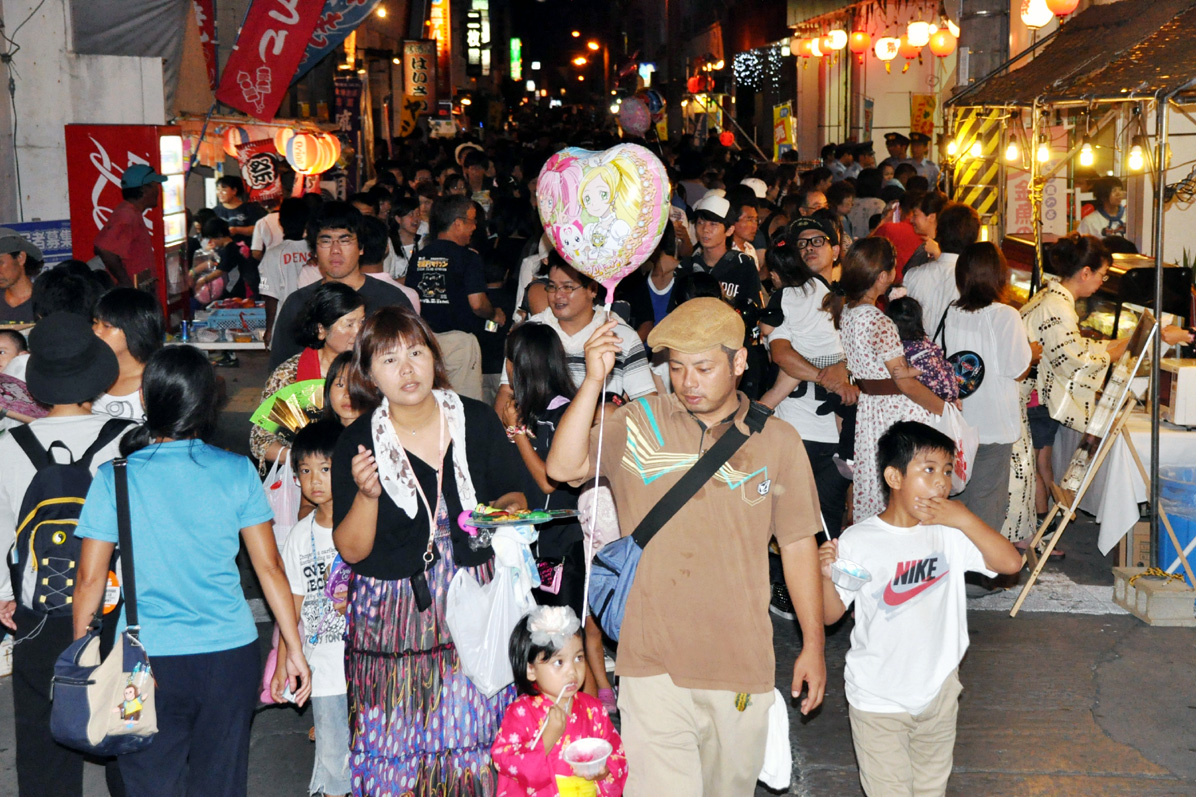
910	619
307	555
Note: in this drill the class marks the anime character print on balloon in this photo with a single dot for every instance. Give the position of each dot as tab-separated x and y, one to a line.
604	210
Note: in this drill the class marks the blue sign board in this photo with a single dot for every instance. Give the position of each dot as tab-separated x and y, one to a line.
52	237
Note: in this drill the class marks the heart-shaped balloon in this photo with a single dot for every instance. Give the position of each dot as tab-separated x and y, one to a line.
634	116
606	211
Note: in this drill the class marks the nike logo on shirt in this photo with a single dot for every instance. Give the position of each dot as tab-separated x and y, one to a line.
912	578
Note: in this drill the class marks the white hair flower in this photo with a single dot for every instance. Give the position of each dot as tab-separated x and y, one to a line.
898	293
551	626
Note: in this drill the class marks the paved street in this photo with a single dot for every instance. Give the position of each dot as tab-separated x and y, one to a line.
1054	703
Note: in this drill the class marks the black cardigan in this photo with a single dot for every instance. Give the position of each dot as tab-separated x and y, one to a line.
399	545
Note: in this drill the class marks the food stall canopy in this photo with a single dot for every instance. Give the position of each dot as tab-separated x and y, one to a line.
1128	49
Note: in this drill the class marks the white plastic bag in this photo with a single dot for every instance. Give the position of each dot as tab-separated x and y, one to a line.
966	439
778	755
283	495
480	620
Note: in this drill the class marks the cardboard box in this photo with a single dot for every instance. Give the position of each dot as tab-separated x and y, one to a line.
1134	549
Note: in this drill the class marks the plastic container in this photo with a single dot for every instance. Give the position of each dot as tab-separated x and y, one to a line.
1184	525
588	756
849	575
1178	488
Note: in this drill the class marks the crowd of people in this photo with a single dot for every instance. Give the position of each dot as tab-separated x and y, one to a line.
466	362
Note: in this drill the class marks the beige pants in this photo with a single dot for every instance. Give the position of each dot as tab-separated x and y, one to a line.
901	755
462	358
690	742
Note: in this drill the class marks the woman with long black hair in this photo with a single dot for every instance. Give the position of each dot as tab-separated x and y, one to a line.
196	625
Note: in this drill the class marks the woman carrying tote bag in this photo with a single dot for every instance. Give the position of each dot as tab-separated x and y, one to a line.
195	623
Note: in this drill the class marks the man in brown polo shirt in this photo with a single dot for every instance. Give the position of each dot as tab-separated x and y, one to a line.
695	651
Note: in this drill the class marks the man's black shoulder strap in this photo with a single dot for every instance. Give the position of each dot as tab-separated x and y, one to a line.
699	474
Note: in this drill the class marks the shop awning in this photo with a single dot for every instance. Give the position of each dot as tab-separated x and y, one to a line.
1132	48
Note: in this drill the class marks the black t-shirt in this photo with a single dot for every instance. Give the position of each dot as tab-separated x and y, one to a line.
555	538
377	294
244	215
736	272
494	467
21	314
445	275
634	290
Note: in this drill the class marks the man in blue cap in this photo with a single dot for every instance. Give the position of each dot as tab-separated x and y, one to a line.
124	245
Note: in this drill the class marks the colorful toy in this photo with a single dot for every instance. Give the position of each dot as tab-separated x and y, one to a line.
606	211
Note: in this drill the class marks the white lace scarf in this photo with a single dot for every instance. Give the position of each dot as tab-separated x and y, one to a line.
394	467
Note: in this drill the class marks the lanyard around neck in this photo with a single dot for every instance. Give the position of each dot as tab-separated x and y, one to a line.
440	448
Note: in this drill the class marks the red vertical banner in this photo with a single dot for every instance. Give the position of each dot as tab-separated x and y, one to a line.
205	20
267	53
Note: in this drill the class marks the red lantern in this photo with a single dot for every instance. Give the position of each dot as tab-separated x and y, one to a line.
699	83
281	138
942	43
1062	8
234	136
860	42
908	51
726	138
824	44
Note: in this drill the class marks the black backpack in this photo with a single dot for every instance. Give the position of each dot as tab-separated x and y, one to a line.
45	554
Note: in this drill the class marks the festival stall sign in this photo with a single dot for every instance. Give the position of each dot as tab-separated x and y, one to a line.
921	113
267	53
337	20
259	169
346	114
440	29
784	137
419	83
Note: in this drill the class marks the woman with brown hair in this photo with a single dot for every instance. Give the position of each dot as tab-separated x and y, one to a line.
987	343
889	388
401	475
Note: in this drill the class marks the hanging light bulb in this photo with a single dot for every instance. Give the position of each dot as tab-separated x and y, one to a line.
1012	152
1137	160
1087	155
1044	151
952	148
976	151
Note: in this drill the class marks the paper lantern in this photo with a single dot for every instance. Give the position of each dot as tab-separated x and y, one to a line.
795	46
859	42
942	43
281	138
824	44
303	152
1062	8
234	136
887	48
726	138
816	47
918	33
836	39
909	51
1036	13
699	83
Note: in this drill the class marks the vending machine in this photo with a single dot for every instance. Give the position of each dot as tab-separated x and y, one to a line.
96	157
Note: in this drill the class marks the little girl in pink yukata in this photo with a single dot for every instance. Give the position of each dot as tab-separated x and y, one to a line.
548	660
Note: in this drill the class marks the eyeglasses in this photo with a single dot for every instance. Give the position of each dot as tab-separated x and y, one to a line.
567	290
326	241
816	241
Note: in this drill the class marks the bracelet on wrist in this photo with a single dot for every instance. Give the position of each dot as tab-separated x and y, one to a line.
515	431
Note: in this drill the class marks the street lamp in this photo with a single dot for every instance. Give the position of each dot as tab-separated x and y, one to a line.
580	61
576	34
593	45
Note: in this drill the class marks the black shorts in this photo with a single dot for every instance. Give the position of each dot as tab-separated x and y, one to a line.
1042	426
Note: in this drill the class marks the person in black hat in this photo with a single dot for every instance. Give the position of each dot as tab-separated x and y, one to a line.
19	261
898	146
68	367
919	145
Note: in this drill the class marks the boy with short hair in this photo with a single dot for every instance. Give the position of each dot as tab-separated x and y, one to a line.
308	554
910	619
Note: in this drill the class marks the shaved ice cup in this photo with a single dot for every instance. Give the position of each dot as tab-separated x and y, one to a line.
588	757
848	575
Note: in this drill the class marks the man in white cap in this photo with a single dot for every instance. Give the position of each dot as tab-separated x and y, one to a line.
124	245
19	261
695	649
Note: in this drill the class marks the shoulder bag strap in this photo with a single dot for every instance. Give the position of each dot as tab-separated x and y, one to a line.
940	333
32	447
125	534
699	474
108	432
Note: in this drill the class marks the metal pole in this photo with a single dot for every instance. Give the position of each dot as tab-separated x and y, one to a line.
1162	124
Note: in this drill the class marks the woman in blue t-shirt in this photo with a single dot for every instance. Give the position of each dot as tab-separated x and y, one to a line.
190	505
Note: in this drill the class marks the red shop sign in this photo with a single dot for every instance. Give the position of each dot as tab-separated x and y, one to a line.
266	55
